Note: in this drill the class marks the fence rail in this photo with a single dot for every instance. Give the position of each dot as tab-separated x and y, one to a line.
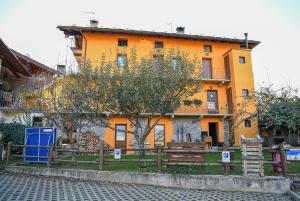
158	153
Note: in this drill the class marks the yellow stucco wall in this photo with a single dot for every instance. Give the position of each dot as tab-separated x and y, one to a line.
242	78
241	75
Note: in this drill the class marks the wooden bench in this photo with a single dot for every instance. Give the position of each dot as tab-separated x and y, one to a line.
185	153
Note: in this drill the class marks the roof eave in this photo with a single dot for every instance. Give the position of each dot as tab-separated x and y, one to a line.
77	30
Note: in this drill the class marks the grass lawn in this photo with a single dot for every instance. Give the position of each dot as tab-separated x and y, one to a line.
151	166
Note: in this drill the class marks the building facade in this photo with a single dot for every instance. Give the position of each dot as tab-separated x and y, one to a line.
227	79
19	74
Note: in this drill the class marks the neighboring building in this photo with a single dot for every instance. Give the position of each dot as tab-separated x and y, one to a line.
19	74
227	78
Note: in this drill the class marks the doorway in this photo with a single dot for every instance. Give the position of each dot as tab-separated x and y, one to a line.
121	137
213	132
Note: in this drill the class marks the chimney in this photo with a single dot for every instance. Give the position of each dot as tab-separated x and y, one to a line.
246	40
94	23
180	30
61	69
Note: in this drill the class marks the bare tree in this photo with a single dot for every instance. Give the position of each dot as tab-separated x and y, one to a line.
276	108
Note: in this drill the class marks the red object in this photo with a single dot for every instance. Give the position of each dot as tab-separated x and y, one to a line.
277	167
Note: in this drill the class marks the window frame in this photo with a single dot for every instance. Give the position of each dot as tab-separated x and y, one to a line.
120	40
242	59
210	48
39	123
245	91
125	64
124	132
164	135
247	123
176	64
158	42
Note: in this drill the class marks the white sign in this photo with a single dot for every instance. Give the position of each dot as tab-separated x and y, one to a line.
293	154
211	106
117	153
225	156
48	130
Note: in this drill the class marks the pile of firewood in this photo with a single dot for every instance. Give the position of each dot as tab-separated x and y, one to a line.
90	141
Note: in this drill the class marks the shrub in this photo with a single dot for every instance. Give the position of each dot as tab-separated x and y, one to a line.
13	132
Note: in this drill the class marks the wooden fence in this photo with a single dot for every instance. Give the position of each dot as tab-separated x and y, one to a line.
158	152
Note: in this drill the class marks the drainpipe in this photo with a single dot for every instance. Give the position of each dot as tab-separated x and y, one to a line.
246	40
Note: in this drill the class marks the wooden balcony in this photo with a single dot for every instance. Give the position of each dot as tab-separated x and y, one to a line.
10	100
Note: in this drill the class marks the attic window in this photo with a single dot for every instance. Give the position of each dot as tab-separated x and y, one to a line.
122	42
207	48
159	44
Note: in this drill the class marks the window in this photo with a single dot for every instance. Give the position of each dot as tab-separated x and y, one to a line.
122	60
158	44
188	137
120	132
159	135
227	67
37	121
247	123
245	93
242	60
207	68
157	59
176	64
207	48
122	42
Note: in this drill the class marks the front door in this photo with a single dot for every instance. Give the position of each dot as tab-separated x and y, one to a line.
207	71
212	102
120	137
213	132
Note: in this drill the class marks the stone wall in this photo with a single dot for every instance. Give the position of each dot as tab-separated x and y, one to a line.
269	184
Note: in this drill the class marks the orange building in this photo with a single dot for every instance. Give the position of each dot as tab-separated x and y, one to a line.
227	77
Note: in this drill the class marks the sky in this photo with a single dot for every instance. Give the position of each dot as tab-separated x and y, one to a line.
29	26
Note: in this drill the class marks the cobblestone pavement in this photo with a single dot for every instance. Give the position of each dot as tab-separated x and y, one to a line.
24	187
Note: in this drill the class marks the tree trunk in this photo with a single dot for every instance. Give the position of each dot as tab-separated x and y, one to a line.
142	152
69	134
231	137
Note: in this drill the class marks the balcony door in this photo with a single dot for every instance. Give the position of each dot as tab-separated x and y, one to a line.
212	101
207	68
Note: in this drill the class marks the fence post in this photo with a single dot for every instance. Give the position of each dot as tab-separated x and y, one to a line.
283	159
1	151
50	155
159	158
9	147
101	156
226	165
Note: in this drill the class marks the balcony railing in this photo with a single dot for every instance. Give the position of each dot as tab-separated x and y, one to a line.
215	74
9	99
206	108
215	108
6	99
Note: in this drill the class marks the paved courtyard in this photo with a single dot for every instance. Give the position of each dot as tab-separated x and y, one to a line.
24	187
